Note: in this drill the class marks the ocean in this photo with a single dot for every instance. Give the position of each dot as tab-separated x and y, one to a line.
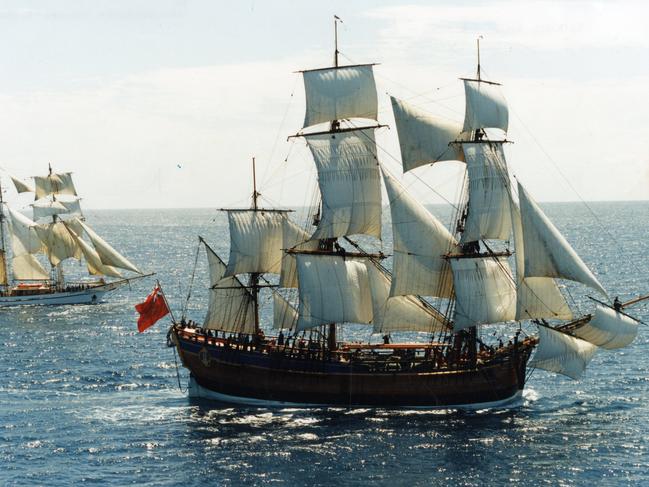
85	398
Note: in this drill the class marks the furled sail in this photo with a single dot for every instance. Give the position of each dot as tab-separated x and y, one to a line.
93	262
108	255
489	214
398	313
350	183
256	241
420	242
21	186
485	106
424	139
547	253
293	237
24	243
333	289
484	291
56	183
608	329
285	316
536	297
561	353
339	93
231	306
60	243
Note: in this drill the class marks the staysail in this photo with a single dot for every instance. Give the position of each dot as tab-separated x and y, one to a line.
547	253
399	313
108	255
536	297
424	139
420	241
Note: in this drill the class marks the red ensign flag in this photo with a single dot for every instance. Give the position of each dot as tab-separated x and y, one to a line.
151	310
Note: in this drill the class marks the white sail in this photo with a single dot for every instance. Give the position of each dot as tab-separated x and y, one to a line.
489	214
285	316
26	267
256	241
333	289
231	306
424	139
398	313
339	93
608	329
350	183
93	262
23	232
485	106
547	253
420	242
46	207
24	243
21	186
536	297
56	183
293	237
60	242
108	255
561	353
484	291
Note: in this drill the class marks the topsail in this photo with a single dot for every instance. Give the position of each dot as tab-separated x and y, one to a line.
339	93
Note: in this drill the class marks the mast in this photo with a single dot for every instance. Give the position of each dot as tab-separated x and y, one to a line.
59	267
3	251
254	276
328	244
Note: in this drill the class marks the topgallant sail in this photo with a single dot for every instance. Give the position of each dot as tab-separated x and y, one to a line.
446	284
56	232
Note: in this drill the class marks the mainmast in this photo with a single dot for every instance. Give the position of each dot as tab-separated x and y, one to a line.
327	244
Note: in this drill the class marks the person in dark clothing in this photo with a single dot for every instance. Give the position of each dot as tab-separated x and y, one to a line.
617	304
386	339
280	338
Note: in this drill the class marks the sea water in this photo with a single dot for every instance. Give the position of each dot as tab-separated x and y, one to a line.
85	398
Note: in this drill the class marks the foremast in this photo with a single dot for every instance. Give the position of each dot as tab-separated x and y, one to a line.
4	270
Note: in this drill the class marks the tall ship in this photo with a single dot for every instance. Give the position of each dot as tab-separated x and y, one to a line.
483	295
56	232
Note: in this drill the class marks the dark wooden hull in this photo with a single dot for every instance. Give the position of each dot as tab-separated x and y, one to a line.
255	377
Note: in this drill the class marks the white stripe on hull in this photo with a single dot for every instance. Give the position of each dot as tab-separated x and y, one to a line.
86	296
195	390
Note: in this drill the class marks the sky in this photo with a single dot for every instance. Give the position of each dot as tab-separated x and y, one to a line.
163	104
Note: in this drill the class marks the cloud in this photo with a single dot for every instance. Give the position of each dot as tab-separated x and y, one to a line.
535	24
